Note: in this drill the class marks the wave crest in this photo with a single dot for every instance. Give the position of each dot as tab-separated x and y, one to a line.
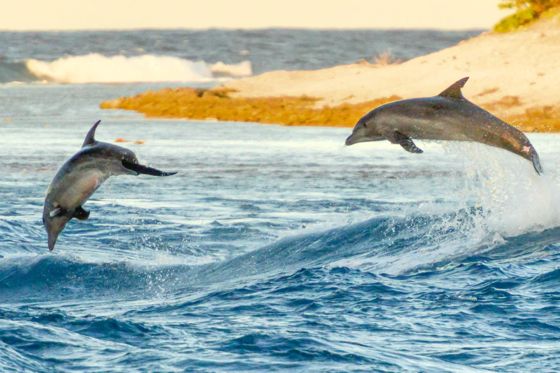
97	68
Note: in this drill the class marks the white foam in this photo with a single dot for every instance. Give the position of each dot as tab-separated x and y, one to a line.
515	198
499	191
509	197
97	68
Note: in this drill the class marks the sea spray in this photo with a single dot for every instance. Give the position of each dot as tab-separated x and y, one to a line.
498	196
514	199
495	195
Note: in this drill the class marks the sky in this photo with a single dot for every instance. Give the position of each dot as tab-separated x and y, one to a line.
200	14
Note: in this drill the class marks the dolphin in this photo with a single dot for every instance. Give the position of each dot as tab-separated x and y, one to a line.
79	178
447	116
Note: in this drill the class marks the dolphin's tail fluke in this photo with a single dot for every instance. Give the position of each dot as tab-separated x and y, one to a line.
528	151
536	161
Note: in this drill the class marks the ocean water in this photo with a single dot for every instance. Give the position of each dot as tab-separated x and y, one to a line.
200	56
273	249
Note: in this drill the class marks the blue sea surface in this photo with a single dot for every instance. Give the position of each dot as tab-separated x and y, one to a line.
273	249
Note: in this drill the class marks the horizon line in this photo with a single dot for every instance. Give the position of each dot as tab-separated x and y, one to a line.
108	29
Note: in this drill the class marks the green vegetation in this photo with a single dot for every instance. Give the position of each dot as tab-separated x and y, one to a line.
526	12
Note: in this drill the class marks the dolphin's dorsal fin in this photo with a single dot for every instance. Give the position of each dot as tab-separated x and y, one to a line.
90	137
454	90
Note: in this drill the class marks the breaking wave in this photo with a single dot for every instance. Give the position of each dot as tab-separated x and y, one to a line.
97	68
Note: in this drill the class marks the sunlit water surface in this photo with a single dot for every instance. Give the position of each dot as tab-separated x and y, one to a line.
273	248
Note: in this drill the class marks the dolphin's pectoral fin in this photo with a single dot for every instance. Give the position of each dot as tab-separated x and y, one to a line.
59	211
80	213
145	170
406	142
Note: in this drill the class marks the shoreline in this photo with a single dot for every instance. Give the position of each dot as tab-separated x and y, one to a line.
514	76
219	105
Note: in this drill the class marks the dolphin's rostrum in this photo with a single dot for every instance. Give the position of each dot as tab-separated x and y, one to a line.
447	116
79	178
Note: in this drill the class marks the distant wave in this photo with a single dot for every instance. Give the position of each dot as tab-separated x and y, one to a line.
15	72
97	68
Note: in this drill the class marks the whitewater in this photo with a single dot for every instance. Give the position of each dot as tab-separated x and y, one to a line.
274	248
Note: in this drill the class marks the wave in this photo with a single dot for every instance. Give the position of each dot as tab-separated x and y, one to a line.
28	278
15	72
502	213
391	246
97	68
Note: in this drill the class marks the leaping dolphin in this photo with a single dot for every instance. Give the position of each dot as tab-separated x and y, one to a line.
79	178
447	116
